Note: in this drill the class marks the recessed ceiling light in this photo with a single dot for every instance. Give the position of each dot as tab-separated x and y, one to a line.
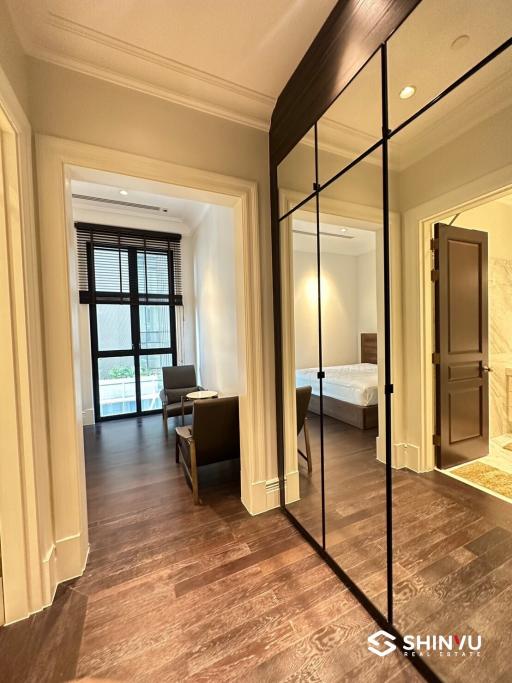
343	229
407	91
460	41
123	192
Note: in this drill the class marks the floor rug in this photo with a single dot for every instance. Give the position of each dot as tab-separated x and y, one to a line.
487	477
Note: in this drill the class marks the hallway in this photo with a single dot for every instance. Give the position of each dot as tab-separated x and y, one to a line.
174	592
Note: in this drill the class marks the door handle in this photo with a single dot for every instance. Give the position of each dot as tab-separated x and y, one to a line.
486	368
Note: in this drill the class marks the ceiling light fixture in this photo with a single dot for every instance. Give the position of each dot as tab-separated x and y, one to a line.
343	229
123	192
407	91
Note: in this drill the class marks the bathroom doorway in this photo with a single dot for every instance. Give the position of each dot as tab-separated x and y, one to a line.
473	328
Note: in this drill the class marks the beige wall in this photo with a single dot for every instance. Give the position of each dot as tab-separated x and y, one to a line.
341	307
366	294
12	58
215	302
484	148
68	104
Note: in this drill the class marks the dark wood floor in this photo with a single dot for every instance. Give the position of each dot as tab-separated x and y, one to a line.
174	592
452	546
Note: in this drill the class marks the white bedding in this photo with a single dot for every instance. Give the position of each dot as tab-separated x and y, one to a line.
356	383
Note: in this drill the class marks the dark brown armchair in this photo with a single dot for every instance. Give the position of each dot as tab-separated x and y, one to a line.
213	437
179	380
302	403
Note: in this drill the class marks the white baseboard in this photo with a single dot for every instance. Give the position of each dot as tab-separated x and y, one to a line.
272	493
291	488
399	456
413	457
264	495
70	559
254	497
88	416
291	484
404	455
49	576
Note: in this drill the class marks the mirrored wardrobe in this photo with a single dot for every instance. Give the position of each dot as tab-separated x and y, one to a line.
392	237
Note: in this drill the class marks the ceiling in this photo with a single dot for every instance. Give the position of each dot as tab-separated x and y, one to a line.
231	58
144	206
334	239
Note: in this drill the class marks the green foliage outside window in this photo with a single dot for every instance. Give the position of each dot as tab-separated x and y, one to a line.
124	372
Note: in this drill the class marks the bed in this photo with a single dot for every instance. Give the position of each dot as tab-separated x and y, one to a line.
350	392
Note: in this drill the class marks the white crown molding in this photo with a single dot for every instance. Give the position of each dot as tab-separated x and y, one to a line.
261	122
63	24
74	46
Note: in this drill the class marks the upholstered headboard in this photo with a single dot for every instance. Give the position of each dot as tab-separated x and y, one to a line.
369	347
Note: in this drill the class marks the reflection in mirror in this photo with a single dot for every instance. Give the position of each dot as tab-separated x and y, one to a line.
352	345
436	45
296	174
300	351
352	124
452	502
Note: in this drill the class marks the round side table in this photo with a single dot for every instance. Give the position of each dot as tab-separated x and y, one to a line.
196	396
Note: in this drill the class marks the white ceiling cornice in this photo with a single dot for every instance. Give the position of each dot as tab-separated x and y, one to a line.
144	71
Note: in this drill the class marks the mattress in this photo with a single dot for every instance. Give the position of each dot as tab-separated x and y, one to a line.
356	383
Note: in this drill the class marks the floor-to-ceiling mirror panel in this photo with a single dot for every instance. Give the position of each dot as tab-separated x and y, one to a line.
352	124
296	174
439	42
452	482
412	247
351	287
301	363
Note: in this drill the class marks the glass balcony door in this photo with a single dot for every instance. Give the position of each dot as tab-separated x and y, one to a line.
134	338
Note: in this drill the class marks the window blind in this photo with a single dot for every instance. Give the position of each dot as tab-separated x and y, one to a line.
117	264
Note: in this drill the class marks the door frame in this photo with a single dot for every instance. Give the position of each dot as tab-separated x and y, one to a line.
28	560
58	160
416	405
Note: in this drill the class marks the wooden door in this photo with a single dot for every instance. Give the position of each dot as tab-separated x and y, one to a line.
461	357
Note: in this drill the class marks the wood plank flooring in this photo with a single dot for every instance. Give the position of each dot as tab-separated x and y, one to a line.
175	592
452	546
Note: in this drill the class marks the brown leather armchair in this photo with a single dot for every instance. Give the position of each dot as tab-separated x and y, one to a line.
302	404
213	437
179	380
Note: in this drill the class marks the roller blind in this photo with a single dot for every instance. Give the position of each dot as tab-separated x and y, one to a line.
119	265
